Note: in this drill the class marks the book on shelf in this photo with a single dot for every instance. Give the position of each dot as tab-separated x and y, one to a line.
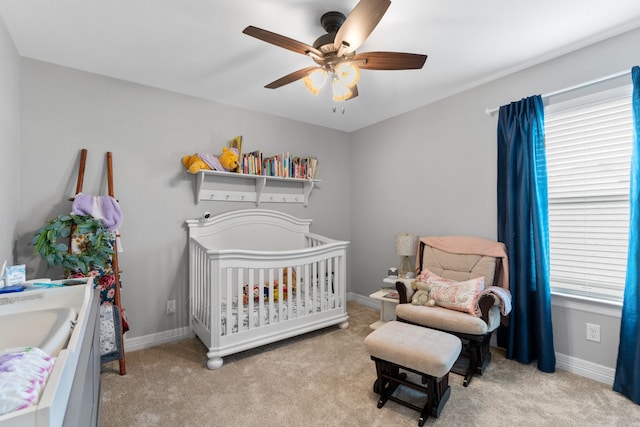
313	166
252	163
237	144
283	165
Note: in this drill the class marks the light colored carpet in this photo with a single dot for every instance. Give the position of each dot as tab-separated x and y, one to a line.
326	378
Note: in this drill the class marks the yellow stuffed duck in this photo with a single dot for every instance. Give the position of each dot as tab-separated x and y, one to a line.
226	161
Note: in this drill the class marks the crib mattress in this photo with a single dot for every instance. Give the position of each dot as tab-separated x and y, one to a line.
281	311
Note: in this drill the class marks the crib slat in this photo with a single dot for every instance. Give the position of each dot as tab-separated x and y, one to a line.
261	296
270	296
197	283
277	285
204	290
212	295
299	308
331	299
314	271
228	297
339	285
289	292
250	300
323	285
307	292
194	287
238	294
198	288
207	292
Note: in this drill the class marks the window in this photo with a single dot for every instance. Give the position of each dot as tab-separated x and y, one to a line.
588	145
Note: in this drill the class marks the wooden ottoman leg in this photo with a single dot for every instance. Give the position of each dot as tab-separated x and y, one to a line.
442	391
384	385
424	414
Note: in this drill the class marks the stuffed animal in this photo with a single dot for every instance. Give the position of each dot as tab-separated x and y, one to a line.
194	164
421	295
226	161
245	293
285	277
276	288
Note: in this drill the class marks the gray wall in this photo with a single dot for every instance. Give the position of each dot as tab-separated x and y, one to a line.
9	143
148	131
435	173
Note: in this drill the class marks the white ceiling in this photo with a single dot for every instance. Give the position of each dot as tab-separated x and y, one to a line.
196	47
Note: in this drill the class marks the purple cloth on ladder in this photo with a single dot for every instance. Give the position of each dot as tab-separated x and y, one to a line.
104	208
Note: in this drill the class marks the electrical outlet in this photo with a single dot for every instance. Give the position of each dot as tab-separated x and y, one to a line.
171	306
593	332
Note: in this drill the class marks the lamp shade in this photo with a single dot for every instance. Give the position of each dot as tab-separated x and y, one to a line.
348	73
406	245
315	80
341	91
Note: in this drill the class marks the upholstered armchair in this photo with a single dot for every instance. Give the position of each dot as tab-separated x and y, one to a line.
466	279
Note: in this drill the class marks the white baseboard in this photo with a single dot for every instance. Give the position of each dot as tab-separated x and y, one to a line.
369	302
152	340
603	374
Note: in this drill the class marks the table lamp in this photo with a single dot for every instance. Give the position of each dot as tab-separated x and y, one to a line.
406	246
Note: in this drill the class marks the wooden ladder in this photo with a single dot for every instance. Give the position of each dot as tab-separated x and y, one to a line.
114	258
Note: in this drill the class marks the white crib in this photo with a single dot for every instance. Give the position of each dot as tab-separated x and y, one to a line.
258	276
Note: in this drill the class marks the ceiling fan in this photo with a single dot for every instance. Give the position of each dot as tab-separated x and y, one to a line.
335	52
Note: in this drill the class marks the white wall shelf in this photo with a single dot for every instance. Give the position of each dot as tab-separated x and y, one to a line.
239	187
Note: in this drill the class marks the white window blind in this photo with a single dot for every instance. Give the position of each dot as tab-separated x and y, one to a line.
588	146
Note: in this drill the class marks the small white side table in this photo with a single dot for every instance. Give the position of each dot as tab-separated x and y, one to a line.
387	305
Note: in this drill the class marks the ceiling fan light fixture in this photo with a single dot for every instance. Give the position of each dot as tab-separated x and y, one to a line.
348	73
335	51
315	80
341	92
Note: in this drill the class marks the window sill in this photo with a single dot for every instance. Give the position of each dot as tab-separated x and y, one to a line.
588	304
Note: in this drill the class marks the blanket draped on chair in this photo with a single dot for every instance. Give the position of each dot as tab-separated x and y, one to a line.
473	245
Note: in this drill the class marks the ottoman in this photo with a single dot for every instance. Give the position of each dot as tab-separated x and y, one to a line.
397	346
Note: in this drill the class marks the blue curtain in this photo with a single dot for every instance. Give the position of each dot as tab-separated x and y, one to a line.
523	228
627	379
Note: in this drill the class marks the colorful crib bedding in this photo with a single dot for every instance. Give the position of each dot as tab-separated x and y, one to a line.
281	311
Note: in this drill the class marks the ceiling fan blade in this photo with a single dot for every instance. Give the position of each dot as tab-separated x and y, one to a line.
290	78
359	24
281	41
389	61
